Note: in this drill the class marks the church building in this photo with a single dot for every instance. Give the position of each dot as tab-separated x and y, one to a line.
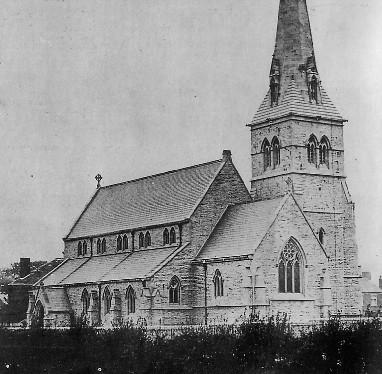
193	246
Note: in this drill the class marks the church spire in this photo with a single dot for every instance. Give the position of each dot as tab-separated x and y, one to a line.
294	82
293	57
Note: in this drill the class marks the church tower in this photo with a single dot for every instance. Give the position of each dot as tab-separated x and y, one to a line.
297	146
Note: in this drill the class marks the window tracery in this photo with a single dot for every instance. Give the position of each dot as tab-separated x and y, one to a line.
174	291
290	268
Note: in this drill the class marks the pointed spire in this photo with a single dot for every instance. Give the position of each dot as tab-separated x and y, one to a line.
294	82
293	57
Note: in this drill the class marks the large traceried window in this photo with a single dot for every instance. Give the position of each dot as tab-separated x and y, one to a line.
290	268
106	301
174	291
85	300
130	300
267	154
218	284
276	151
312	150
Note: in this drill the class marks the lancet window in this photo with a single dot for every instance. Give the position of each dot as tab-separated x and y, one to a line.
130	300
218	284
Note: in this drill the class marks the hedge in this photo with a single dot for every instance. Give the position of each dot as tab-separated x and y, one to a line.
257	346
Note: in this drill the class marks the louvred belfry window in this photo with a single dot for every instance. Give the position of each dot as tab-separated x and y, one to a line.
267	154
312	150
276	151
290	268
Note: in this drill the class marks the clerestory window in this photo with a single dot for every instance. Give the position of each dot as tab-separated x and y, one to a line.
166	237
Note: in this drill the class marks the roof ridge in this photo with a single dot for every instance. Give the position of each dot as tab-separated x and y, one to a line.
160	174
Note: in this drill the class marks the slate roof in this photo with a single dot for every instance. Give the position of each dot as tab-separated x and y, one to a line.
134	265
153	200
37	274
241	229
293	102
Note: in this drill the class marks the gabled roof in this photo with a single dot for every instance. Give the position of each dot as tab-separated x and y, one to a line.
140	264
241	229
294	103
154	200
37	274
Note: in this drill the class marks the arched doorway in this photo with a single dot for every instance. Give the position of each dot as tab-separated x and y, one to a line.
39	313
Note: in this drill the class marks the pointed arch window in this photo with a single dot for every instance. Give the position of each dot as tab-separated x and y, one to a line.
141	240
166	237
106	301
267	154
99	246
174	291
79	249
147	239
218	284
119	243
172	236
103	245
125	242
290	268
130	300
324	151
85	300
84	248
312	150
321	235
276	151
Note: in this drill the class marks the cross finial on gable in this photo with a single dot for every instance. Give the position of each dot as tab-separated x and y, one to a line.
98	178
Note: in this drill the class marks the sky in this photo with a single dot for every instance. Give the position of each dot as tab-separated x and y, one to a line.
129	88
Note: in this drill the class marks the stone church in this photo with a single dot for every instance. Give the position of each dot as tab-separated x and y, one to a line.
194	246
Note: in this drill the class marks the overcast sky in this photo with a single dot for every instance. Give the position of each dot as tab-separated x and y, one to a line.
128	88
